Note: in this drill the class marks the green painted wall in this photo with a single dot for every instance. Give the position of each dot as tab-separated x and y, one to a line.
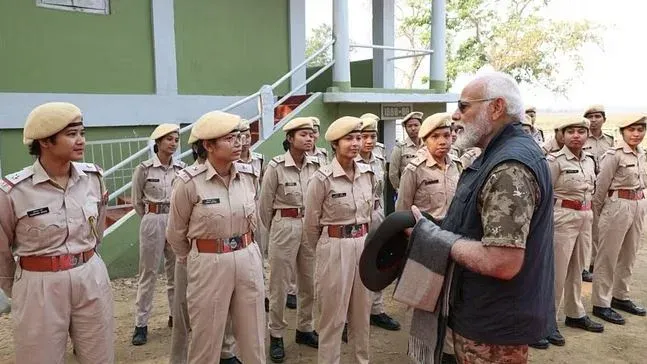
120	250
231	47
46	50
361	75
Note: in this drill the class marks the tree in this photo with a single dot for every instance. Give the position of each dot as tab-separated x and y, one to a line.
319	37
512	36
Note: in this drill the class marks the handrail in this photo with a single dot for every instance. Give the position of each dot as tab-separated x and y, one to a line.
312	77
377	46
305	62
227	108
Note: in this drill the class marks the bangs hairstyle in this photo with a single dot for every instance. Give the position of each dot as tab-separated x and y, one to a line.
34	147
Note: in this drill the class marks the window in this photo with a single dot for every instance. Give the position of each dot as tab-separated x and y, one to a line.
85	6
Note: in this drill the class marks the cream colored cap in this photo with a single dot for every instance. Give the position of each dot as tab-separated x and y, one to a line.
433	122
530	108
636	119
192	139
244	125
527	120
315	121
369	124
412	115
594	108
48	119
369	115
164	129
573	121
342	127
299	123
215	124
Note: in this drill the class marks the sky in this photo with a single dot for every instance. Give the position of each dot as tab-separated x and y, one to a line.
613	76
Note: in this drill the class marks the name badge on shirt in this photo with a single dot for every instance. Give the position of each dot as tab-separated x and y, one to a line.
37	212
210	201
338	195
571	171
431	182
409	156
153	180
630	165
288	184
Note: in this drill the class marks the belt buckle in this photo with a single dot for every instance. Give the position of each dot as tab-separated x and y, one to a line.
74	261
354	231
232	243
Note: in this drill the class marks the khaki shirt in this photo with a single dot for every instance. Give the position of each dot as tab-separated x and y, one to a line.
334	199
550	146
620	169
402	154
39	218
204	205
256	161
467	157
425	184
538	135
284	185
153	183
378	165
321	154
572	178
597	146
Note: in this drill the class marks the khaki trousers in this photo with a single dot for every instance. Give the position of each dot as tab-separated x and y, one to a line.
152	243
572	238
620	233
222	286
288	250
594	242
341	294
47	306
181	328
377	305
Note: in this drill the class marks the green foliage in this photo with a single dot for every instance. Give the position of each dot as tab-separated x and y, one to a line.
319	37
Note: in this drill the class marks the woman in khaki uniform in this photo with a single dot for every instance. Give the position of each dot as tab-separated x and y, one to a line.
281	210
339	203
320	153
151	193
429	181
573	177
211	224
619	198
52	215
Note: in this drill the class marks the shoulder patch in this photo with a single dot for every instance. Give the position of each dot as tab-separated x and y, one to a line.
189	172
147	163
11	180
244	168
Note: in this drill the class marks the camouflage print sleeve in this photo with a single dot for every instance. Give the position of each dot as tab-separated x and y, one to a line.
507	202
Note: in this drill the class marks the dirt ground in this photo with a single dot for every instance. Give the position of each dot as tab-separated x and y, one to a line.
618	344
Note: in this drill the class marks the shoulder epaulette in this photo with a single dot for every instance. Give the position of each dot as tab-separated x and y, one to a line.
277	160
557	153
257	156
324	172
323	150
244	168
455	158
364	168
609	135
189	172
147	163
90	167
418	160
550	157
11	180
312	158
179	163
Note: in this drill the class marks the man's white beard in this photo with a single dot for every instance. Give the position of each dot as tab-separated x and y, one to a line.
473	132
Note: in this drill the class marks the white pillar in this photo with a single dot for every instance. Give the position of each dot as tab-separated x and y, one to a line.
266	126
297	43
437	71
164	47
383	34
341	68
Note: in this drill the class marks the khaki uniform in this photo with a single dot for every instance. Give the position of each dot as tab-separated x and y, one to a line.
256	160
321	154
151	194
284	187
621	221
538	135
573	184
467	157
550	146
205	205
402	154
39	218
334	199
181	326
429	187
597	147
378	165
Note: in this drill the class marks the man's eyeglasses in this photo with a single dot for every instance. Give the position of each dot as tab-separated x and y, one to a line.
463	105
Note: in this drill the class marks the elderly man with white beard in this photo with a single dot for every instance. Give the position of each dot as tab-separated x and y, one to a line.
499	229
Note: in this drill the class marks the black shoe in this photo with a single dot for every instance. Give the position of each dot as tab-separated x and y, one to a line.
232	360
385	321
291	302
448	359
267	304
170	321
344	334
584	323
542	344
277	352
591	268
140	336
608	314
310	339
556	338
628	306
587	276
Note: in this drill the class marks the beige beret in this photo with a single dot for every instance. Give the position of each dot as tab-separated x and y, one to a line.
48	119
530	108
215	124
315	121
244	125
573	121
342	127
299	123
433	122
369	124
164	129
594	108
635	119
192	139
368	115
412	115
527	120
